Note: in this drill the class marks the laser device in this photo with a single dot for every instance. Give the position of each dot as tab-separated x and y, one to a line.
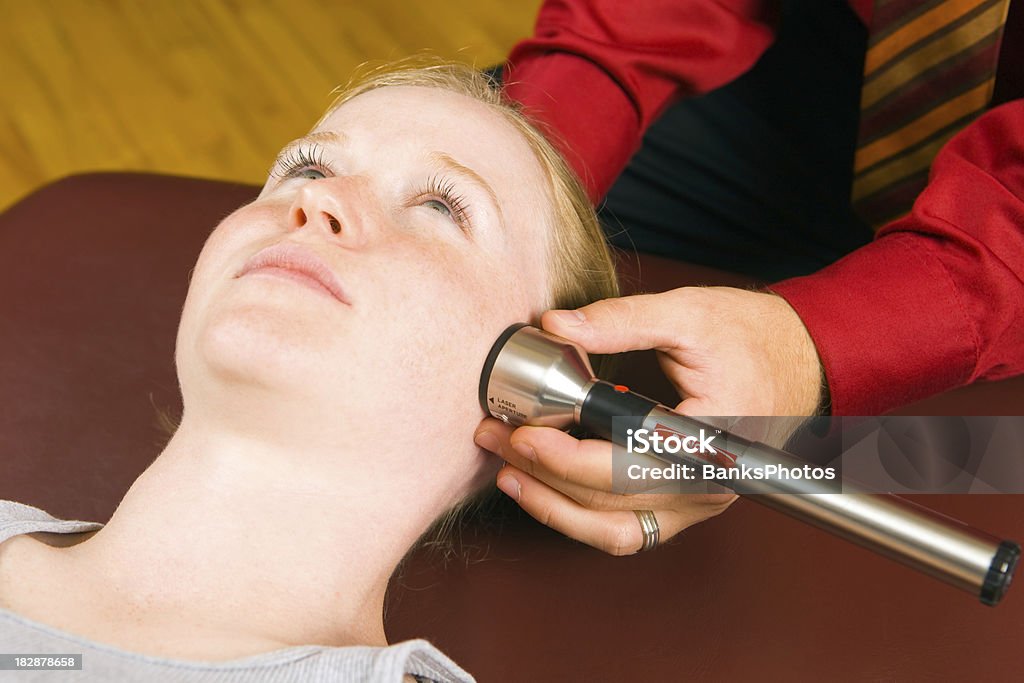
532	377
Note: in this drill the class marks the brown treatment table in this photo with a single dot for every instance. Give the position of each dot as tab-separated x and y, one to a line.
93	273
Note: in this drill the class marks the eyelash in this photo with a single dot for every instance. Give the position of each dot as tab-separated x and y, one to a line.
299	159
444	190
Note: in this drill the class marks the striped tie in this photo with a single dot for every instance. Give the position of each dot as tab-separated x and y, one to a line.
929	70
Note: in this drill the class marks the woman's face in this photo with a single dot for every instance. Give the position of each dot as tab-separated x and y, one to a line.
430	214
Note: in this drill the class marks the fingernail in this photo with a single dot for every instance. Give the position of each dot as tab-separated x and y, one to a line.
524	449
488	442
509	485
571	318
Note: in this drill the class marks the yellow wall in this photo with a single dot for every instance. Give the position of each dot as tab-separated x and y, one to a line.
209	88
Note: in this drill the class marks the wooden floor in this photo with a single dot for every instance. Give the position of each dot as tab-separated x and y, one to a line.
208	88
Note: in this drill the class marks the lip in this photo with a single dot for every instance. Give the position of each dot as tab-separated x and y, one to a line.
298	263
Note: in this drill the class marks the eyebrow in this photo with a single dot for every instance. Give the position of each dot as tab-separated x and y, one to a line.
330	137
473	177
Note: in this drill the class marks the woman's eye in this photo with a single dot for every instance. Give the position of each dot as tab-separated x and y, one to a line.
440	195
440	207
308	174
305	163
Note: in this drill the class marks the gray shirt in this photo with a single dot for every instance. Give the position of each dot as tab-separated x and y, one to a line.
102	663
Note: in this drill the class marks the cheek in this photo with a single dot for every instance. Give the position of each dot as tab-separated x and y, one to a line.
239	236
224	252
201	279
523	285
445	315
524	271
474	294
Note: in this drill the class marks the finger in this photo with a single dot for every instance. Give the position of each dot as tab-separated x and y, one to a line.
586	476
617	532
550	453
684	370
632	323
696	510
704	407
614	532
586	471
589	497
586	463
499	438
493	435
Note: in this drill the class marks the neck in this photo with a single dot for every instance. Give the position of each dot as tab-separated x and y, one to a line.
230	547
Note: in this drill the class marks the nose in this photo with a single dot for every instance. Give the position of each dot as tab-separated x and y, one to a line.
329	206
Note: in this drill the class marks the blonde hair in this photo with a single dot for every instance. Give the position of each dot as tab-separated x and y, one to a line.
582	267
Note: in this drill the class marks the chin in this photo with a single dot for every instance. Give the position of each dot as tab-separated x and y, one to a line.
254	346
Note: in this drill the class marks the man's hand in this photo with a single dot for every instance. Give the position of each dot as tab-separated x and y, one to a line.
727	352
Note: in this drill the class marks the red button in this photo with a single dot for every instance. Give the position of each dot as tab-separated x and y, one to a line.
622	389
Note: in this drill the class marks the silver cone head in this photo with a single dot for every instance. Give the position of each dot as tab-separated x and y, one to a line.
532	377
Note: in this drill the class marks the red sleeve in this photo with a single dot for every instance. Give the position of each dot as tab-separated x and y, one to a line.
598	73
937	300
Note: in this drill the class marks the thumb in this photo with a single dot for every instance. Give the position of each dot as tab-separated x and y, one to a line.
631	323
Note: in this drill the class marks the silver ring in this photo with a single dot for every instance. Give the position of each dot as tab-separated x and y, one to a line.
649	525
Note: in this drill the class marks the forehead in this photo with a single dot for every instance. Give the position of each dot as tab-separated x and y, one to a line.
423	114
